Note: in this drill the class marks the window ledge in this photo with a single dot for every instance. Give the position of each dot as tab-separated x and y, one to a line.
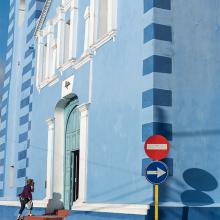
112	208
110	35
54	79
83	59
50	81
67	64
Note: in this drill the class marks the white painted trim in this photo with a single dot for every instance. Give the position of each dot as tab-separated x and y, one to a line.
83	153
50	157
109	36
37	203
73	29
42	16
84	59
112	208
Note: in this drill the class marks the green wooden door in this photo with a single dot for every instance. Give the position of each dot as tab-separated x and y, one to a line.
71	168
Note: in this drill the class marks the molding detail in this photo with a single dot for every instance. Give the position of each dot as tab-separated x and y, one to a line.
42	16
112	208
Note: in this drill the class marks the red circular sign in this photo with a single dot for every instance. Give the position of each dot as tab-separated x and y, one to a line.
156	147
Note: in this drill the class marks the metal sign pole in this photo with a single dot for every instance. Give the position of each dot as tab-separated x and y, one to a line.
156	198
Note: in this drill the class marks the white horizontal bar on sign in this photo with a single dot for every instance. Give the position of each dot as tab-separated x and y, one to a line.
157	146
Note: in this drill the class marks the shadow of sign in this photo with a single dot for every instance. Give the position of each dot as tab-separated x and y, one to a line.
201	181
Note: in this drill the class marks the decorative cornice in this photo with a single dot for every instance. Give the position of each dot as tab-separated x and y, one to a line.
42	16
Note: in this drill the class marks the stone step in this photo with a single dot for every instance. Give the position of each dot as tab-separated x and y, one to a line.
43	217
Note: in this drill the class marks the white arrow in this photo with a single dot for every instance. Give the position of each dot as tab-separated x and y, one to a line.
157	172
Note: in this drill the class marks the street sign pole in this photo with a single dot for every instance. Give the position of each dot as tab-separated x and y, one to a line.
156	201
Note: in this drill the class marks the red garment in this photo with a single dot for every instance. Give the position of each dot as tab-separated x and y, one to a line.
26	193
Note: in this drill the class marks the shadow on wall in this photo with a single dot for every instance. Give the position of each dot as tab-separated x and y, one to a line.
54	204
201	181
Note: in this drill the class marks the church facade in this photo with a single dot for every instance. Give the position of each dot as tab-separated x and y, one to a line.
86	83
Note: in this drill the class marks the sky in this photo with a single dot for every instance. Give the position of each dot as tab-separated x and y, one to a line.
4	8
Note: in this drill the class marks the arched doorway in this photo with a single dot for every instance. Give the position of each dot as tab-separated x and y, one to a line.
71	167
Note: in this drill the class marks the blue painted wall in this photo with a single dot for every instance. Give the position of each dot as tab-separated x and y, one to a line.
160	75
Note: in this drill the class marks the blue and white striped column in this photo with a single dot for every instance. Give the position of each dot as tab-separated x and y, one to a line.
34	10
157	69
5	95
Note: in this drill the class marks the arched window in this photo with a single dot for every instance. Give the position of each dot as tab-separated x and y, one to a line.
21	13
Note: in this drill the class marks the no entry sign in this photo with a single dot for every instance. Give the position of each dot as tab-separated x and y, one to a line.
156	147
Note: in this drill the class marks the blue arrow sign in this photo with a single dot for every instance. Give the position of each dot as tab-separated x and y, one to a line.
157	172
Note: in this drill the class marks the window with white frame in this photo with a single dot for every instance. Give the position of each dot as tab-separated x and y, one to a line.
104	18
46	57
66	41
41	60
86	39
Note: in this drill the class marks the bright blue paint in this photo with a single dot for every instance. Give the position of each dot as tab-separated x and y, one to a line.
27	68
164	129
26	84
2	162
3	117
147	98
157	31
158	97
24	102
23	137
22	154
30	35
103	216
21	173
2	132
157	63
31	4
163	4
2	147
35	15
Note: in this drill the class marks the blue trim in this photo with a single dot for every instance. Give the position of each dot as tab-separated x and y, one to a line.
8	60
4	103
23	137
28	52
31	4
22	155
27	68
24	102
164	129
1	193
30	107
10	33
30	35
4	117
159	97
7	74
24	119
157	63
11	6
3	132
21	173
2	177
5	89
29	125
26	84
2	162
2	147
9	47
157	31
27	162
163	4
34	16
